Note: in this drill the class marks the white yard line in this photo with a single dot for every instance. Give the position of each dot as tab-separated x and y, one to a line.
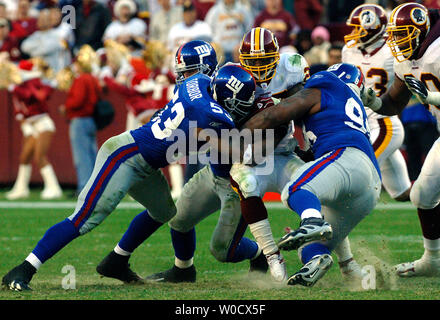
135	205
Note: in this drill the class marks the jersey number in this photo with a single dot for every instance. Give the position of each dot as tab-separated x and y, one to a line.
170	124
353	110
381	85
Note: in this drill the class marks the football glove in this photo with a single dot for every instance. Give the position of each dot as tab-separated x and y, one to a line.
370	99
417	88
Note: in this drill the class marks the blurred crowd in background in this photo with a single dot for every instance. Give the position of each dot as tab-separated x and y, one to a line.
83	47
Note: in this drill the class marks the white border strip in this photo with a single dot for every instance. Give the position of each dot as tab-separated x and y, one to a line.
135	205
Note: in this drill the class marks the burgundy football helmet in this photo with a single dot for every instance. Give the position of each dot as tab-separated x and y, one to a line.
259	54
369	22
407	28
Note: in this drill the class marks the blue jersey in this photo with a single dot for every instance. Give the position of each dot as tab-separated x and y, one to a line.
173	128
341	122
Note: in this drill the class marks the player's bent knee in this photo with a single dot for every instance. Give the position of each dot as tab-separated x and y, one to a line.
180	225
421	197
219	251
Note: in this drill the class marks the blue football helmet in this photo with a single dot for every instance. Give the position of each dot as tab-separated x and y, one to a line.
351	75
233	87
195	55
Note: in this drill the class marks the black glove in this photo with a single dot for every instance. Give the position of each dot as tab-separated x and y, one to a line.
305	156
417	88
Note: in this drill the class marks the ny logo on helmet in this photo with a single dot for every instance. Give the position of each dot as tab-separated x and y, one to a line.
234	85
203	51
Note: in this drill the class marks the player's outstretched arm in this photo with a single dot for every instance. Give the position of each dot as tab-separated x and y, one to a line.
304	102
392	102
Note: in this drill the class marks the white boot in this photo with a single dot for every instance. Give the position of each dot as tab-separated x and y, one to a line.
21	186
176	177
427	266
277	266
52	189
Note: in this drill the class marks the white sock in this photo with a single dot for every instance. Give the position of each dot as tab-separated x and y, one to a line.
310	213
176	177
343	251
33	260
49	177
263	235
258	253
183	264
432	247
121	251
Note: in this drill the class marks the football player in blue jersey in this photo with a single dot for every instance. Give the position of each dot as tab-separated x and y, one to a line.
130	163
333	193
206	192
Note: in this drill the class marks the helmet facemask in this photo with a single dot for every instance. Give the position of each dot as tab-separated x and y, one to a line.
409	24
403	41
237	108
368	23
262	66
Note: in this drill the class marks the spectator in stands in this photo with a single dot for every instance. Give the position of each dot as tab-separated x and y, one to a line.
163	19
78	109
189	29
334	56
23	20
63	28
229	21
92	18
308	13
48	43
9	43
318	54
127	26
31	110
279	21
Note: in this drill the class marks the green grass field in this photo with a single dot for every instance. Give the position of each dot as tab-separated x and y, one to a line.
391	234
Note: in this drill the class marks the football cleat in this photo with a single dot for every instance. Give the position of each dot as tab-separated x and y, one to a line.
277	266
259	264
312	271
19	277
424	267
174	275
310	229
116	266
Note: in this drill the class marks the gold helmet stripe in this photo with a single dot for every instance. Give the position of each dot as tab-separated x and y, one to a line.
257	39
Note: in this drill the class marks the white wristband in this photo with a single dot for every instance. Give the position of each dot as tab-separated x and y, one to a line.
433	98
